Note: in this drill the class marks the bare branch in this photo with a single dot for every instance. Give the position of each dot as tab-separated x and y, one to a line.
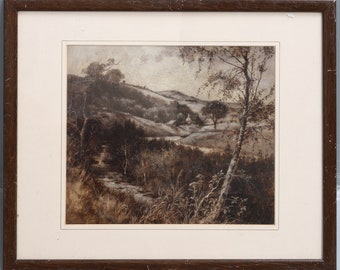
233	56
229	63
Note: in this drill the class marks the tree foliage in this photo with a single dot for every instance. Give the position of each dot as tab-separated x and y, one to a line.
215	110
96	71
114	76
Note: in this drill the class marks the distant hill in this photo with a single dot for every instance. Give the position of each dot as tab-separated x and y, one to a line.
131	99
160	114
195	104
176	95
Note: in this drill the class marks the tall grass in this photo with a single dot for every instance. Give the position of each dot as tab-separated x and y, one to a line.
89	202
251	200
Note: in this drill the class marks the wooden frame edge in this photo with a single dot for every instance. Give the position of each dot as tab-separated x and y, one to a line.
329	136
10	135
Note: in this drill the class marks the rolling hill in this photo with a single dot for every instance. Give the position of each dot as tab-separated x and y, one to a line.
171	115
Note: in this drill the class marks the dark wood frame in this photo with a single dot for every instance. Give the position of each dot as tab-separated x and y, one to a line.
327	8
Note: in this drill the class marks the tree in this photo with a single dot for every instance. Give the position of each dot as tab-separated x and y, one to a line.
216	110
236	73
100	71
96	73
125	141
114	76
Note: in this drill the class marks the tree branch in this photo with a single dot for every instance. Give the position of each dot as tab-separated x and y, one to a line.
229	63
256	90
233	56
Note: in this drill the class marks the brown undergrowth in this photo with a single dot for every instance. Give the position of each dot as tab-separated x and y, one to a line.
89	202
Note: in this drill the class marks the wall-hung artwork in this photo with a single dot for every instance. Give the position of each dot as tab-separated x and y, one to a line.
170	135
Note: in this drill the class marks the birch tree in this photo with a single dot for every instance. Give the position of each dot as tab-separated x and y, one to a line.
236	73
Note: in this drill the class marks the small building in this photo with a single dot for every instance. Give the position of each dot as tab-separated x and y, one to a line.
188	120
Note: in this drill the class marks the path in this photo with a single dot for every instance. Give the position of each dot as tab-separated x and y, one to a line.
115	181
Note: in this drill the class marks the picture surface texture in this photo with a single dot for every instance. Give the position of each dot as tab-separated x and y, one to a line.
170	134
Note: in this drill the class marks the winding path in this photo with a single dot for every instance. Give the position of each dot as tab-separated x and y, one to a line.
115	181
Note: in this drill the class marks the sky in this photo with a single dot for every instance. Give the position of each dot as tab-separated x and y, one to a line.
159	68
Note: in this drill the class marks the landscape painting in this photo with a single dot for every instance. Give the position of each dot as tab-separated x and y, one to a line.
170	134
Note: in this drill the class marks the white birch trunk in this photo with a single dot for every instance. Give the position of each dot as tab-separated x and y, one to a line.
236	155
229	175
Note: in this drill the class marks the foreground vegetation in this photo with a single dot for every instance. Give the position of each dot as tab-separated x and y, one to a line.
183	183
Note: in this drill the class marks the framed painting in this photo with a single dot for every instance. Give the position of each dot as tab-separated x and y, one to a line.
170	135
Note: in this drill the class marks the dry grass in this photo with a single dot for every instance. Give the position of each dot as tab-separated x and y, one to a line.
88	202
250	202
